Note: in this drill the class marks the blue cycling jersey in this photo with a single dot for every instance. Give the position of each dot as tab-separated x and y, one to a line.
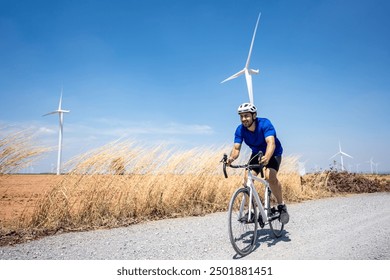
256	140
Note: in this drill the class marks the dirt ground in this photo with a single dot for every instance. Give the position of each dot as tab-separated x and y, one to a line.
19	194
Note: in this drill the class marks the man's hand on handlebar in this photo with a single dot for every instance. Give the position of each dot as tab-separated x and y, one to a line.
229	161
264	160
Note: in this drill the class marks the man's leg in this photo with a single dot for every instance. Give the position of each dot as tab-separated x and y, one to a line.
276	187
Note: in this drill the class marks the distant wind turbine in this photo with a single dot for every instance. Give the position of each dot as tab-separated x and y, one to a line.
371	162
60	113
341	153
248	72
376	167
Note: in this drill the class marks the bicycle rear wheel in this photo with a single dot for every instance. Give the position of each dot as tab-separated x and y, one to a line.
242	233
275	224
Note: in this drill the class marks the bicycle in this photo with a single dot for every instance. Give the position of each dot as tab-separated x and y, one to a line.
246	212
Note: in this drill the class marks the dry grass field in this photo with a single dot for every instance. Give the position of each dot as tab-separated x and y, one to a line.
32	206
124	183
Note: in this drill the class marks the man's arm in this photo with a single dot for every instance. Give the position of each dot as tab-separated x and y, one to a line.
269	151
235	153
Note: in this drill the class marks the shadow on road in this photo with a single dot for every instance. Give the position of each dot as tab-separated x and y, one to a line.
266	237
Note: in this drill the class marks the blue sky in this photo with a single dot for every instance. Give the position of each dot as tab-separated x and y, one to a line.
151	71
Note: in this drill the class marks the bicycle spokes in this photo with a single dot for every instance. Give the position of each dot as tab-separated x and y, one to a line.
242	222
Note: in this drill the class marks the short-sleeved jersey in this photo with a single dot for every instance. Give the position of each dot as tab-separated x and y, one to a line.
256	140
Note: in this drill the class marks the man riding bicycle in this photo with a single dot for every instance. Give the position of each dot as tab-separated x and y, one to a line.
260	135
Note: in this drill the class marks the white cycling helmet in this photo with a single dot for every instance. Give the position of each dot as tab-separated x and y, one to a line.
247	107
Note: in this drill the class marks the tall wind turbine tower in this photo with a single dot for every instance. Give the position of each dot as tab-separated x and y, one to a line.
248	72
60	113
341	153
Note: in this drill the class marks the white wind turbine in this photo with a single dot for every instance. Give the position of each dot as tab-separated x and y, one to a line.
341	153
60	113
371	162
248	72
376	167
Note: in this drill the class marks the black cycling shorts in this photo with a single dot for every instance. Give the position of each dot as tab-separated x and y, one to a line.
273	163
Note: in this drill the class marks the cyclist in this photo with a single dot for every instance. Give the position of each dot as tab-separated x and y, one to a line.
260	135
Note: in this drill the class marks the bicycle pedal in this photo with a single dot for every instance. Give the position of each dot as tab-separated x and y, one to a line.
245	220
275	214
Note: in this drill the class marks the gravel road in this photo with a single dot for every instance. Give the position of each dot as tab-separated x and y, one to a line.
355	227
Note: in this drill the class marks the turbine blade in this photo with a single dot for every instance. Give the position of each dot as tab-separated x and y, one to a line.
51	113
253	40
334	155
253	71
346	155
61	117
234	76
59	105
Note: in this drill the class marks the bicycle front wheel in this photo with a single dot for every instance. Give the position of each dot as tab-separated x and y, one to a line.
242	222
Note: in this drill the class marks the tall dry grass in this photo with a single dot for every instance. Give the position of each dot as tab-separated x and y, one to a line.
18	150
124	183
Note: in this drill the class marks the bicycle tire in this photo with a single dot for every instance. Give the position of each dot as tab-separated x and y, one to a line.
274	223
242	234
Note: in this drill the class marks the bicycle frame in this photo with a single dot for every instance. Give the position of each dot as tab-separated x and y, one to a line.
263	211
252	190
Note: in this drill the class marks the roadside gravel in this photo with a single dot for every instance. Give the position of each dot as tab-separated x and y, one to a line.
355	227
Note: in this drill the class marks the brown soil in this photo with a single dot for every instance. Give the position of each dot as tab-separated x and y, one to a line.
19	194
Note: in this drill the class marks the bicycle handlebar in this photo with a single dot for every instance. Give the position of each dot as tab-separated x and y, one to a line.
246	166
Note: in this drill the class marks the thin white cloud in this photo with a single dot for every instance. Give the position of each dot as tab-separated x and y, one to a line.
171	129
46	130
35	127
113	127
